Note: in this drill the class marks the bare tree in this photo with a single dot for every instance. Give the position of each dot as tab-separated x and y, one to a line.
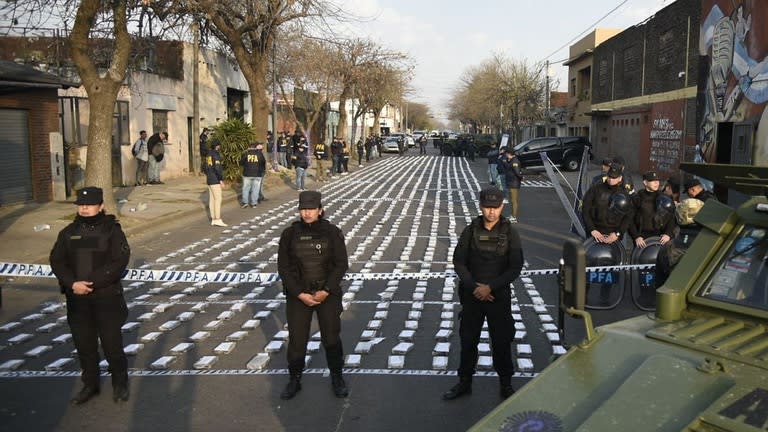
501	93
307	76
356	57
248	29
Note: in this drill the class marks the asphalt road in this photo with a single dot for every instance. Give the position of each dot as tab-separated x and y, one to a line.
402	215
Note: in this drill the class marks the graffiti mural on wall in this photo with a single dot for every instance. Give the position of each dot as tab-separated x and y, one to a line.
666	138
734	42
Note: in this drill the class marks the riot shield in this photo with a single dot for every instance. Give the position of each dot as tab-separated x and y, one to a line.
605	288
643	281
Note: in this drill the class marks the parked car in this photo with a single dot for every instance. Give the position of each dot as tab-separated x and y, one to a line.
407	138
565	152
390	145
417	134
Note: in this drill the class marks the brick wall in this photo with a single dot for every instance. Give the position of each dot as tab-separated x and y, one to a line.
42	106
648	58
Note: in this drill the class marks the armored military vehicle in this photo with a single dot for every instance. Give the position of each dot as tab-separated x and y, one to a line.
699	363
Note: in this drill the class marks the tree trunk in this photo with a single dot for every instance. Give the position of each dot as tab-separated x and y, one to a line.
260	103
101	97
102	91
341	130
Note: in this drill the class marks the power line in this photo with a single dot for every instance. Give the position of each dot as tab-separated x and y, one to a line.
588	29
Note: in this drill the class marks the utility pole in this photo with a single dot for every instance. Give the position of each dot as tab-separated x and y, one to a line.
274	103
196	156
546	103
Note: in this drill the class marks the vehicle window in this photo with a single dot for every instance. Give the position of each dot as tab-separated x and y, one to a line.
542	144
742	277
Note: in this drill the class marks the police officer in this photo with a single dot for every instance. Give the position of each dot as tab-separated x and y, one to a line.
88	259
321	155
311	261
653	213
605	165
606	209
695	189
487	259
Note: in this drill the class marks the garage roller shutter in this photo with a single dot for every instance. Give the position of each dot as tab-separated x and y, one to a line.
15	165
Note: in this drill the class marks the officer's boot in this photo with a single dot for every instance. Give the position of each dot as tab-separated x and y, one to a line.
464	387
505	386
339	386
120	392
293	387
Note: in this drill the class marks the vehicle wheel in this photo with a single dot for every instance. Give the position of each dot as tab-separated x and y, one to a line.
571	164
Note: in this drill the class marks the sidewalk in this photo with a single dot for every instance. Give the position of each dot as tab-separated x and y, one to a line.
28	231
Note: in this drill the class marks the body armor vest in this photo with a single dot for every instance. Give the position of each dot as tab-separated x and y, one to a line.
313	251
488	252
91	250
602	217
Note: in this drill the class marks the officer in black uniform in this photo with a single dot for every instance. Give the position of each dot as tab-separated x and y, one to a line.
311	261
487	259
606	209
653	213
605	165
89	259
695	189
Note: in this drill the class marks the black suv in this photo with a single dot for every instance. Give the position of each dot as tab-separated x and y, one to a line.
563	151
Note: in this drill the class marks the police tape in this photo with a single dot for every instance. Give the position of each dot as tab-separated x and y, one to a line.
194	276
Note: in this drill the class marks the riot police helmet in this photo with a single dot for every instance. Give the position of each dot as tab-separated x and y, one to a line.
619	204
664	204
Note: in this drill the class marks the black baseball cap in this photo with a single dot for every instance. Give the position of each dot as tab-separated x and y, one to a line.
491	197
310	200
614	171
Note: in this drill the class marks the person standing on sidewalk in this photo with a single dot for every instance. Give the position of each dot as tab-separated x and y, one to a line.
311	260
513	178
156	147
337	149
204	148
344	161
493	167
360	148
88	259
488	257
321	154
254	166
300	161
141	153
214	175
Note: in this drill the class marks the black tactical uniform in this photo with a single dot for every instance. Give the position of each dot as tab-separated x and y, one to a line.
94	249
313	257
596	208
649	219
493	257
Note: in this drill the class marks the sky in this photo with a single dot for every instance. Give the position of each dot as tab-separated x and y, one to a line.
447	37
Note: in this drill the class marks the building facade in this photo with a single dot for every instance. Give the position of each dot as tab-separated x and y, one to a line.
580	69
644	84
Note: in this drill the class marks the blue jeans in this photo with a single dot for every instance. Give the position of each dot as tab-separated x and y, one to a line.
154	169
251	188
301	174
493	175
